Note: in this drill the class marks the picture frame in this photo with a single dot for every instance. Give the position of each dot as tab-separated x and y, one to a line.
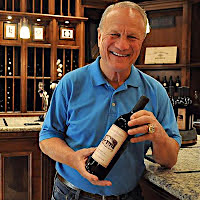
38	33
67	33
10	31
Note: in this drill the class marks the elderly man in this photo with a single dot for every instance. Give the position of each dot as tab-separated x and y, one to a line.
88	100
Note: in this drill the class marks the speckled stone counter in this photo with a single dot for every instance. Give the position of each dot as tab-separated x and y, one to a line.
17	124
183	180
178	181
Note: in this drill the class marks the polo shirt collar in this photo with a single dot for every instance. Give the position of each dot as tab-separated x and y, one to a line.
98	78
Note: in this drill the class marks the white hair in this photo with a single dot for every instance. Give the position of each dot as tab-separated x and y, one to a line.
124	4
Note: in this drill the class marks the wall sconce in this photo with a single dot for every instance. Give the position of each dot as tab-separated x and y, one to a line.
24	31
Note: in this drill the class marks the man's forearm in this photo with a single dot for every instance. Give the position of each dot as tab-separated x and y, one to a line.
57	150
165	152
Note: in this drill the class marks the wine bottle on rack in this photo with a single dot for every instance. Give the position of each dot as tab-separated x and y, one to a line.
113	144
9	61
9	95
165	83
171	82
177	83
67	60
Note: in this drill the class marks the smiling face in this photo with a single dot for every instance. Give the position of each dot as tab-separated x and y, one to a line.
120	39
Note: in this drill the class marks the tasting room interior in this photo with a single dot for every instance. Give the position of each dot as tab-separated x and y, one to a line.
42	40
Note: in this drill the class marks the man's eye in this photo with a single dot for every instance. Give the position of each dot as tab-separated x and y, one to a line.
132	37
115	34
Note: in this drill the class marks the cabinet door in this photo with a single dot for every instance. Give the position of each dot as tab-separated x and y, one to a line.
20	169
15	176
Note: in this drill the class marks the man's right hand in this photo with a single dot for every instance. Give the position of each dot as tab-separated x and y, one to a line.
79	160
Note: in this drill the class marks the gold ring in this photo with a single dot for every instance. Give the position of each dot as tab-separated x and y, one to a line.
151	128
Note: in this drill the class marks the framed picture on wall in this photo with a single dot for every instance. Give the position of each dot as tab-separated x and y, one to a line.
38	33
66	33
10	31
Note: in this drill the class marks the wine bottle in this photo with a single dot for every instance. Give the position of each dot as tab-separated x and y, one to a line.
165	83
67	60
9	61
177	83
171	82
113	144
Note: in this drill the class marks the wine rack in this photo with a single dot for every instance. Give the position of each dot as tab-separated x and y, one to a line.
37	6
26	64
38	70
10	78
65	7
10	5
69	58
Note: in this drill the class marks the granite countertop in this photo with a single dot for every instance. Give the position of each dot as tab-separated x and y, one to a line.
20	124
183	180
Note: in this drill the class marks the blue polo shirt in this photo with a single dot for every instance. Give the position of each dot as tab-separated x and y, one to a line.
84	106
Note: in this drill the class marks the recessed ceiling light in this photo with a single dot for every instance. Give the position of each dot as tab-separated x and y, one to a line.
66	22
9	17
38	20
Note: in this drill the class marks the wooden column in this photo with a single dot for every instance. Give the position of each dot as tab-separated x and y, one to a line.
53	33
186	41
23	95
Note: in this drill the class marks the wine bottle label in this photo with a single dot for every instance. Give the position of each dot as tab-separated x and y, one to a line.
181	118
177	84
109	146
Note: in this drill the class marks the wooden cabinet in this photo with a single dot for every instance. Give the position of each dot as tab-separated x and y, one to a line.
26	62
174	23
25	173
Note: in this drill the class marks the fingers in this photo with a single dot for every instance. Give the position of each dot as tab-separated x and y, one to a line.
82	156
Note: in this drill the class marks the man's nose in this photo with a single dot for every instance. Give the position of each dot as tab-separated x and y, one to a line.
122	43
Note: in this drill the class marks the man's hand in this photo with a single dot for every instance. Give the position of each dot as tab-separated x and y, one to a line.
142	119
79	159
165	148
58	150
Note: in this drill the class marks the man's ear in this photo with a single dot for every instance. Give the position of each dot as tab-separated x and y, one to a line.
99	36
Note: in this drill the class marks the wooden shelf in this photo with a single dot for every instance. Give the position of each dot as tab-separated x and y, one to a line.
35	16
67	47
164	66
195	65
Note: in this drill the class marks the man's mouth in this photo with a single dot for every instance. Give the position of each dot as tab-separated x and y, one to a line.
120	55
